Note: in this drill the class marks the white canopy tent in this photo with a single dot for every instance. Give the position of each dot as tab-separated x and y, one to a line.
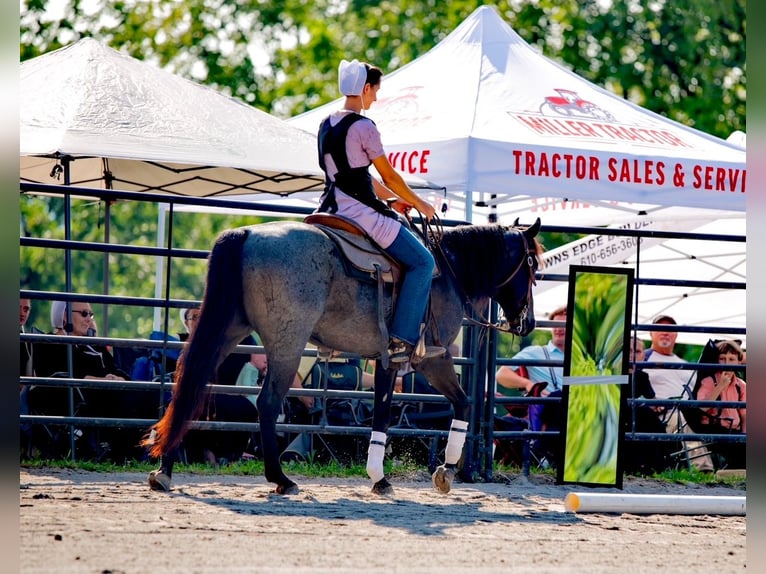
125	124
509	132
667	259
93	117
487	117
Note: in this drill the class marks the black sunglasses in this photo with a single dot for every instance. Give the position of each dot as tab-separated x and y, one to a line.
83	312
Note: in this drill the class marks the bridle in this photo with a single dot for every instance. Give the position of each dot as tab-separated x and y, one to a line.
433	236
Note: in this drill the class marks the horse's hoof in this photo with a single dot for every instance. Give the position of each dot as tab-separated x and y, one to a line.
442	478
288	488
383	488
158	480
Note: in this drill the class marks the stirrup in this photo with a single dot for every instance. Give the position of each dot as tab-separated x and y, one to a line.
423	351
399	351
429	352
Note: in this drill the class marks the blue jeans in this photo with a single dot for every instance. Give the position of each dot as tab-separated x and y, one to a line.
418	265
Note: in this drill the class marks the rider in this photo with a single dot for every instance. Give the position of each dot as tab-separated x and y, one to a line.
348	143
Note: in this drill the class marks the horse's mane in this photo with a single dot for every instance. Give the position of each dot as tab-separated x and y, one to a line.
481	256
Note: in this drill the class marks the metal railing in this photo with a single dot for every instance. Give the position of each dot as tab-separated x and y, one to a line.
479	347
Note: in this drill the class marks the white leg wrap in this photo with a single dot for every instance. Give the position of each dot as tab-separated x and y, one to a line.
455	442
375	456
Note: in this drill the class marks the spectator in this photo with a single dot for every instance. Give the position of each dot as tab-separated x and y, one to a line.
726	386
89	361
673	384
26	355
529	378
212	446
554	351
646	456
26	369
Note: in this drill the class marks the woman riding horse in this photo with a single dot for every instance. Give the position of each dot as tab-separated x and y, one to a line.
348	143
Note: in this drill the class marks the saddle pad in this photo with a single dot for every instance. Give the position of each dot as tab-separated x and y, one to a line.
361	253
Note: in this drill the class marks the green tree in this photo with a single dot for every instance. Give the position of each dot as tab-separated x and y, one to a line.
684	59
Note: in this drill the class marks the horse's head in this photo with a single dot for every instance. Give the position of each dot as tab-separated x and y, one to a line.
514	292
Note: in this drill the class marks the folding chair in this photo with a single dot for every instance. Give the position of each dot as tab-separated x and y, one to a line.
533	417
332	375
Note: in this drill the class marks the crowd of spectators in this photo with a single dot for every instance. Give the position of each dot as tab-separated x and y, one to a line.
84	360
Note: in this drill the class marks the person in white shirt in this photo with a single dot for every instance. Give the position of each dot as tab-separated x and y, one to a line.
671	384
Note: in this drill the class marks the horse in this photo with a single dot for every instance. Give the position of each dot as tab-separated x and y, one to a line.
287	282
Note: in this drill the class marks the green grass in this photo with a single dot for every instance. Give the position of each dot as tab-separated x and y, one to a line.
394	469
676	476
241	468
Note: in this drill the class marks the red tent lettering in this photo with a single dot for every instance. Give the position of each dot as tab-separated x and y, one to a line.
636	171
558	165
410	161
712	178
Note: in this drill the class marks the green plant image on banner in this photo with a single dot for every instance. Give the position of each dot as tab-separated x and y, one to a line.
598	312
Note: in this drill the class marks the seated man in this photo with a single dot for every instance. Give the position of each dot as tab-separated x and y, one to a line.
213	446
673	384
26	369
541	417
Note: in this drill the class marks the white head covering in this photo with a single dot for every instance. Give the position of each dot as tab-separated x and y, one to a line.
57	314
351	77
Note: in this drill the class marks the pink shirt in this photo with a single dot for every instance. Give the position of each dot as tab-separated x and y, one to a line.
730	417
363	145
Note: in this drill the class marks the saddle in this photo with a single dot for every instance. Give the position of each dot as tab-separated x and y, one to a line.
364	259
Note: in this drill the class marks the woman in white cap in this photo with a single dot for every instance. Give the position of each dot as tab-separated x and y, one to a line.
348	143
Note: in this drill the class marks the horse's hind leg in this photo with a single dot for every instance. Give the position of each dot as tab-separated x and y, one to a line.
279	377
160	479
381	419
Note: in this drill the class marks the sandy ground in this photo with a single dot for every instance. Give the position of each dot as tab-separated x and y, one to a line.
77	521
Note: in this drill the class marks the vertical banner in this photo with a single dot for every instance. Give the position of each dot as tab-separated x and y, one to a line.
595	375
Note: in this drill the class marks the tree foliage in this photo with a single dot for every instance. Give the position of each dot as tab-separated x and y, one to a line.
684	59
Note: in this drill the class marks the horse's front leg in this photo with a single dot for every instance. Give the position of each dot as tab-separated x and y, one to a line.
269	404
440	372
381	419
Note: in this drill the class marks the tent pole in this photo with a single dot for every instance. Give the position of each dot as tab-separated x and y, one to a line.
160	267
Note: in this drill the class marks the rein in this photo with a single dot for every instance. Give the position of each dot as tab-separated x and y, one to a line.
433	241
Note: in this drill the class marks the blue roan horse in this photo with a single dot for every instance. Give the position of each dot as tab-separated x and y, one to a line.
286	281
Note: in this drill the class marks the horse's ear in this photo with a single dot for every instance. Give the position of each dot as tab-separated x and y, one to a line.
516	223
532	231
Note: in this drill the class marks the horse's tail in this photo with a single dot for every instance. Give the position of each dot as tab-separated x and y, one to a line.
197	364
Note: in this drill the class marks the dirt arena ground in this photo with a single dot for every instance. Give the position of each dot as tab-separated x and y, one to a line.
84	522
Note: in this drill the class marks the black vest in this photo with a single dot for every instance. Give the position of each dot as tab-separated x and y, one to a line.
354	181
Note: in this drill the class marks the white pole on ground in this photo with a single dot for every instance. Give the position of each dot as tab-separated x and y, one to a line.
654	503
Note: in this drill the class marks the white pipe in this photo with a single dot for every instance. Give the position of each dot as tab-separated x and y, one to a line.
654	503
